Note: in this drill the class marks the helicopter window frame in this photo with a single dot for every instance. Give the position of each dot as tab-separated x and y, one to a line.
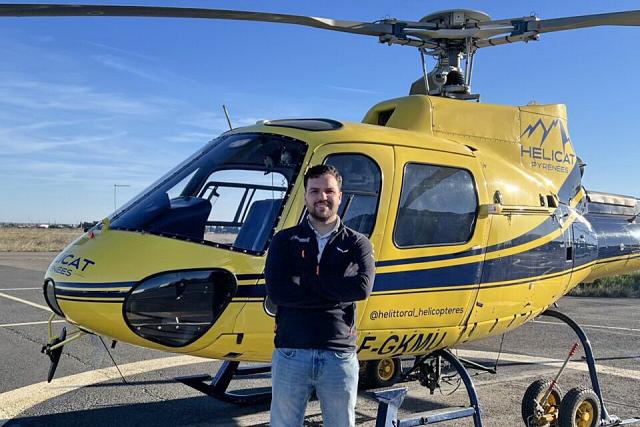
244	205
377	194
198	178
472	230
204	184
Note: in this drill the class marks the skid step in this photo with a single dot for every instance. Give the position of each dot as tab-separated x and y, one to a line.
391	400
436	416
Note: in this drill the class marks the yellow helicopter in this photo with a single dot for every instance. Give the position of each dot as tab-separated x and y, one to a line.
477	214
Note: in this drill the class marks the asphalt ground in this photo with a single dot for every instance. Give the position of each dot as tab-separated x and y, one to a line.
87	390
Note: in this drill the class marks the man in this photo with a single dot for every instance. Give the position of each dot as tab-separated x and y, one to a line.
315	272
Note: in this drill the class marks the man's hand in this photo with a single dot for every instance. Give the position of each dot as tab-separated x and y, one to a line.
352	270
296	280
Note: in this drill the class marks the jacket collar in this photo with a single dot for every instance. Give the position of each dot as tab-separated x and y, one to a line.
306	226
335	229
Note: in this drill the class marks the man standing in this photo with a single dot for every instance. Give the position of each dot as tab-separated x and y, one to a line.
315	272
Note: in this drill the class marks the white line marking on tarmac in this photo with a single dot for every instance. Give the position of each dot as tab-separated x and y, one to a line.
14	402
539	373
21	289
578	366
614	328
30	323
24	301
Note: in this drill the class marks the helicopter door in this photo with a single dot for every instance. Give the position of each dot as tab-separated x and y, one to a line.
430	261
365	202
365	194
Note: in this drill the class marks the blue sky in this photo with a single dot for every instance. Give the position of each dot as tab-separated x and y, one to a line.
89	103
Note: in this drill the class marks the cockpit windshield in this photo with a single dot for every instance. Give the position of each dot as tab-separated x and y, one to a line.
229	194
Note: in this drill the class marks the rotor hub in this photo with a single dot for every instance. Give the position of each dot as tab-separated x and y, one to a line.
456	18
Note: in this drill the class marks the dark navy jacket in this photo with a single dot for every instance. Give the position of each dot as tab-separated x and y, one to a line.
320	312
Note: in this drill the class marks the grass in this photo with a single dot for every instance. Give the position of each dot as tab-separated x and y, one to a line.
625	286
36	239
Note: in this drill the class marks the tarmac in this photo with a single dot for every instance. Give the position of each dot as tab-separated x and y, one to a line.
88	390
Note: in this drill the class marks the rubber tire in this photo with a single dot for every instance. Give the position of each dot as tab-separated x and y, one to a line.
535	392
570	403
372	378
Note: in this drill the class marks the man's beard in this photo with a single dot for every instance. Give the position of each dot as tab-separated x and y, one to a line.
327	213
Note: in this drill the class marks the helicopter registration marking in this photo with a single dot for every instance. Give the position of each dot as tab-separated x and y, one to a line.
401	344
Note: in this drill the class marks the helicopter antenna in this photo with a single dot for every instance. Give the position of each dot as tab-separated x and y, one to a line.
226	114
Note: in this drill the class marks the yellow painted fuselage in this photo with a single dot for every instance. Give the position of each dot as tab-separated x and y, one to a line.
531	240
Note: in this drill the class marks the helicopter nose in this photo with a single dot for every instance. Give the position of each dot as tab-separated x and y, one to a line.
49	290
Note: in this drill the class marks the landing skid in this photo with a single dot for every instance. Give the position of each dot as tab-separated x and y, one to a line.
605	418
391	400
477	366
217	386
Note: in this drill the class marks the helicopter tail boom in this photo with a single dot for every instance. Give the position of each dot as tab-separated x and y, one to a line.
613	219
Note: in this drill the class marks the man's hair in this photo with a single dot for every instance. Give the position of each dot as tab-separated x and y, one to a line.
319	170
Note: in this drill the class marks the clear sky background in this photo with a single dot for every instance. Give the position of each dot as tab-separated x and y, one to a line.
86	103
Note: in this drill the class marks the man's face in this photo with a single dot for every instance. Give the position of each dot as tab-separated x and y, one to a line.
322	197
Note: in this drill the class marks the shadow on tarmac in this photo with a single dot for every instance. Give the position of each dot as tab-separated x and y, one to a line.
191	411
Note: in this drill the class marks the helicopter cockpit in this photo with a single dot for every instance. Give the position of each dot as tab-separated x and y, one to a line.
229	194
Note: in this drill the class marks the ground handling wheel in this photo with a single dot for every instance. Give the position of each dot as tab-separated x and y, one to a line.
383	372
538	414
579	408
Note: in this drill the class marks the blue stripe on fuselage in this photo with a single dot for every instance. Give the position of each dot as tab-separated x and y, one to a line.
91	294
548	226
94	285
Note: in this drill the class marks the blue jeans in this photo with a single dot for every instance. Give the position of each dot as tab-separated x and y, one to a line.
297	372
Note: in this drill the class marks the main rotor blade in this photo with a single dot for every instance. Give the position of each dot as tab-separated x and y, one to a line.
629	18
53	10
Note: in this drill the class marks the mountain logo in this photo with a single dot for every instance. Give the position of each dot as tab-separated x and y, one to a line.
546	130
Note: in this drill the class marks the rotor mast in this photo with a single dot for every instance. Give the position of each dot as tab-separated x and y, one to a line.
447	78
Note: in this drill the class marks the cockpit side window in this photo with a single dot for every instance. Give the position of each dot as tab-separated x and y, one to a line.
438	206
244	204
361	183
